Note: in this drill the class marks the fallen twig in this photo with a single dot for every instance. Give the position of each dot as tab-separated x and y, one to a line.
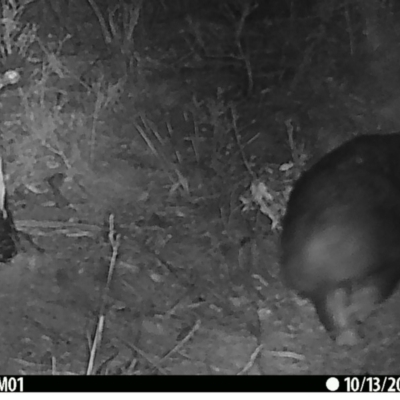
181	343
252	360
114	240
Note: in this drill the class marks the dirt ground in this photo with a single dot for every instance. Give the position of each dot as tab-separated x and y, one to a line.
188	295
184	297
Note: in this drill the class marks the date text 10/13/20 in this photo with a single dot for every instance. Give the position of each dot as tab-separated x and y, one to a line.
372	384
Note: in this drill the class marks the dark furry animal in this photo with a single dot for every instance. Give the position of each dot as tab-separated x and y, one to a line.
8	234
340	244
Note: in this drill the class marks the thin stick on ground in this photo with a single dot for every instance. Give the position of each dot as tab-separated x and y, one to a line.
114	240
252	360
287	354
146	357
157	365
181	343
53	366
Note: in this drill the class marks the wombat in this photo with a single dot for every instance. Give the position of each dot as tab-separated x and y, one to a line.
340	243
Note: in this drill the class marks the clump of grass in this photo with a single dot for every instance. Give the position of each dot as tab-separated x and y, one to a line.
47	133
17	37
118	28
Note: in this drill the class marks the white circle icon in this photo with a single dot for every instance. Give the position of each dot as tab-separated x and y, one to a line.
332	384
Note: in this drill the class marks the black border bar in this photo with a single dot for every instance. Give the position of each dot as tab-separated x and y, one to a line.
214	384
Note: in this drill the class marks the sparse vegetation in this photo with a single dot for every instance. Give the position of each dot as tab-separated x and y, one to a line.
187	124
